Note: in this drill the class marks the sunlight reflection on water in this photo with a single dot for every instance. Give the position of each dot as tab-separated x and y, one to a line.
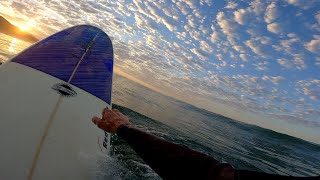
10	46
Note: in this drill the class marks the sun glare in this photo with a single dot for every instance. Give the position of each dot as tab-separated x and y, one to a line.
27	26
24	28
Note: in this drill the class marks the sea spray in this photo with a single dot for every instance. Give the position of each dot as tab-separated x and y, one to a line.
102	167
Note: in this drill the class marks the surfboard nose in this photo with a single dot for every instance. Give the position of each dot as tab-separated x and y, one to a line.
85	60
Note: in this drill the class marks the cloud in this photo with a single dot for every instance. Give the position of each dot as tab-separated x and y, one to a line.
302	3
244	57
240	16
18	6
311	93
231	5
152	13
274	28
204	30
183	7
229	29
219	57
225	24
237	47
196	35
285	63
144	23
206	2
204	46
298	60
271	13
315	26
317	17
191	4
139	6
214	37
317	63
170	24
262	66
258	7
199	15
287	45
199	54
171	12
313	46
274	79
264	40
256	47
191	21
310	88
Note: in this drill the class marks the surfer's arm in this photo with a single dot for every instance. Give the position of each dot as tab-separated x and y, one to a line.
169	160
173	161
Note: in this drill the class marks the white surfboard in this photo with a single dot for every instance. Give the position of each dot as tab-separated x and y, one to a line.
48	95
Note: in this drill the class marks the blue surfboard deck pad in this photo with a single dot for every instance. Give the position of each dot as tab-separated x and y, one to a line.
84	42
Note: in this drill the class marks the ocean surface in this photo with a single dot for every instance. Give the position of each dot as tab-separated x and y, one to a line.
10	46
243	145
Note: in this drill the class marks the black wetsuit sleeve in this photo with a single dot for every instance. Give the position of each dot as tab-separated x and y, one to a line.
173	161
168	160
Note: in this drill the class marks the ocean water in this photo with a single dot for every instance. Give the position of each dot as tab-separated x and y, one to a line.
10	46
245	146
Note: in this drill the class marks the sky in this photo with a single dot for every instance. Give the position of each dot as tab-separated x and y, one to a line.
254	61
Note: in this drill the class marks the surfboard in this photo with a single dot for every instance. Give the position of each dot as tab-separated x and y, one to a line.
48	95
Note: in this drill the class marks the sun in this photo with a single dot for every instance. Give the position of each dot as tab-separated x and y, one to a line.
27	26
24	28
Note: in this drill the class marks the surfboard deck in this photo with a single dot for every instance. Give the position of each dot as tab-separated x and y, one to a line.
48	96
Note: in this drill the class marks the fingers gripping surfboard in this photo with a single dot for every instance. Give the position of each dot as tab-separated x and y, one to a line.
48	95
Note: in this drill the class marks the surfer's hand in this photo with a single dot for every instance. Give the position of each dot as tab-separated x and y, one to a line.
111	120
